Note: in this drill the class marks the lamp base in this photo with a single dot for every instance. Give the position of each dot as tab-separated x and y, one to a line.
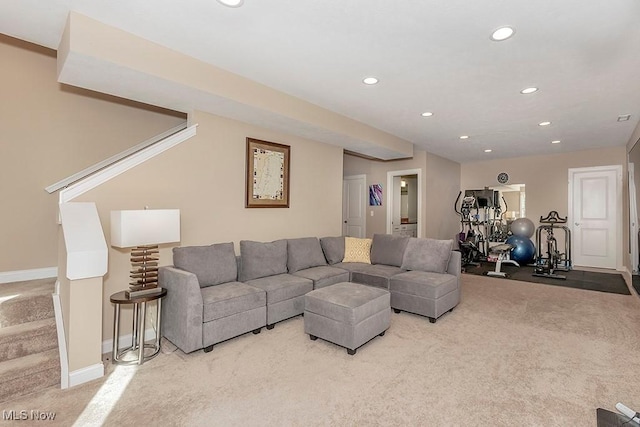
144	263
149	291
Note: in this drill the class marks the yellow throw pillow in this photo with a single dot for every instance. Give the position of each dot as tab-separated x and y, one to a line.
357	250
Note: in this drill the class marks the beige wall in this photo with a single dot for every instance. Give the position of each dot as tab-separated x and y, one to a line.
440	181
546	180
49	131
84	346
442	187
204	177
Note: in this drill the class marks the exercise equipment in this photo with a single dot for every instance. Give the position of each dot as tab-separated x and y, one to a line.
546	266
482	221
524	251
470	239
523	227
504	252
628	412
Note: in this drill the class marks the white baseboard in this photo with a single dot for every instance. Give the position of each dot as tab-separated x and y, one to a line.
125	340
22	275
87	374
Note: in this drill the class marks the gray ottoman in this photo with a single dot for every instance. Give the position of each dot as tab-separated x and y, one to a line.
347	314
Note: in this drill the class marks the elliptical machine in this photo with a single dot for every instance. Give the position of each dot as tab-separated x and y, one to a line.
471	242
555	260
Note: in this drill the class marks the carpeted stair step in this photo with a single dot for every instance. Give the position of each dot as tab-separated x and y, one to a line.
27	338
23	302
27	374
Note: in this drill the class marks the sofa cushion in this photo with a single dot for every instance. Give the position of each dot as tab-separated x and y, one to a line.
352	266
323	275
262	259
426	254
282	287
212	264
423	284
388	249
304	253
357	250
230	298
376	275
333	248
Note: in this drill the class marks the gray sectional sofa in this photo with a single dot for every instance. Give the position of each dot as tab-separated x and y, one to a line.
214	295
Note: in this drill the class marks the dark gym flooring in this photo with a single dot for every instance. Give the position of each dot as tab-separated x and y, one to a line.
578	279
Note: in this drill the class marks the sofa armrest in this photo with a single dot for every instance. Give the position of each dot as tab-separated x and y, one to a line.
455	265
181	308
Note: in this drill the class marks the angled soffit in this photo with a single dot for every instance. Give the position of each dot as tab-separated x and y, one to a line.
99	57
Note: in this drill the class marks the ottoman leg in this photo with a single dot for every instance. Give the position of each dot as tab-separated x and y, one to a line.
396	310
432	319
257	331
208	349
271	326
351	352
381	334
313	337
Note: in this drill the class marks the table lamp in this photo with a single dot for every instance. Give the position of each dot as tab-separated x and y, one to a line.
143	231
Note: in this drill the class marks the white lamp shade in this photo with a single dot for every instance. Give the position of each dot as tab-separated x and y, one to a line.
144	227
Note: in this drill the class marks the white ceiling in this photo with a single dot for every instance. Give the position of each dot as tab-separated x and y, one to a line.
428	55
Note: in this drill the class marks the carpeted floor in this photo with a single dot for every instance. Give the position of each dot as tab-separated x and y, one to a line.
578	279
510	354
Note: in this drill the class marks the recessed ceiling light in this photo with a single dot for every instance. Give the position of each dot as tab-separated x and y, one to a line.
557	141
502	33
529	90
231	3
624	118
370	80
488	150
427	114
464	137
544	123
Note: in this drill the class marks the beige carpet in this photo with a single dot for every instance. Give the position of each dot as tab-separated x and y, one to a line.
511	353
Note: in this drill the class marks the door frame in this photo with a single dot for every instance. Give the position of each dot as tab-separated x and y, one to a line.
572	227
633	220
389	192
364	200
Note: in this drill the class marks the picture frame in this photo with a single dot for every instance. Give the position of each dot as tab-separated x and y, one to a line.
375	195
267	174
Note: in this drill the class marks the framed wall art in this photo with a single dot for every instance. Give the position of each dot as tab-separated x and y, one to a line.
267	181
375	195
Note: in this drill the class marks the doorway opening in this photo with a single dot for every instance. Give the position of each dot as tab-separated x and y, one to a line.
404	202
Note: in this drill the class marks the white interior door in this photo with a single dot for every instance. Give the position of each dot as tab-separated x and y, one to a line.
594	205
354	206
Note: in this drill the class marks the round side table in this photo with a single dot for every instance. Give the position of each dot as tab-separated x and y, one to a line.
139	319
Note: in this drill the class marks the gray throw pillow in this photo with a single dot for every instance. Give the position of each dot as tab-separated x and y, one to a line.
388	249
333	248
424	254
262	259
212	265
304	253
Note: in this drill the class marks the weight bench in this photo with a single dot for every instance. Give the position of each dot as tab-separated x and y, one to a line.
503	251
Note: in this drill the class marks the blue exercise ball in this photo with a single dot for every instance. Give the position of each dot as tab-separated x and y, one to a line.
523	227
523	251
